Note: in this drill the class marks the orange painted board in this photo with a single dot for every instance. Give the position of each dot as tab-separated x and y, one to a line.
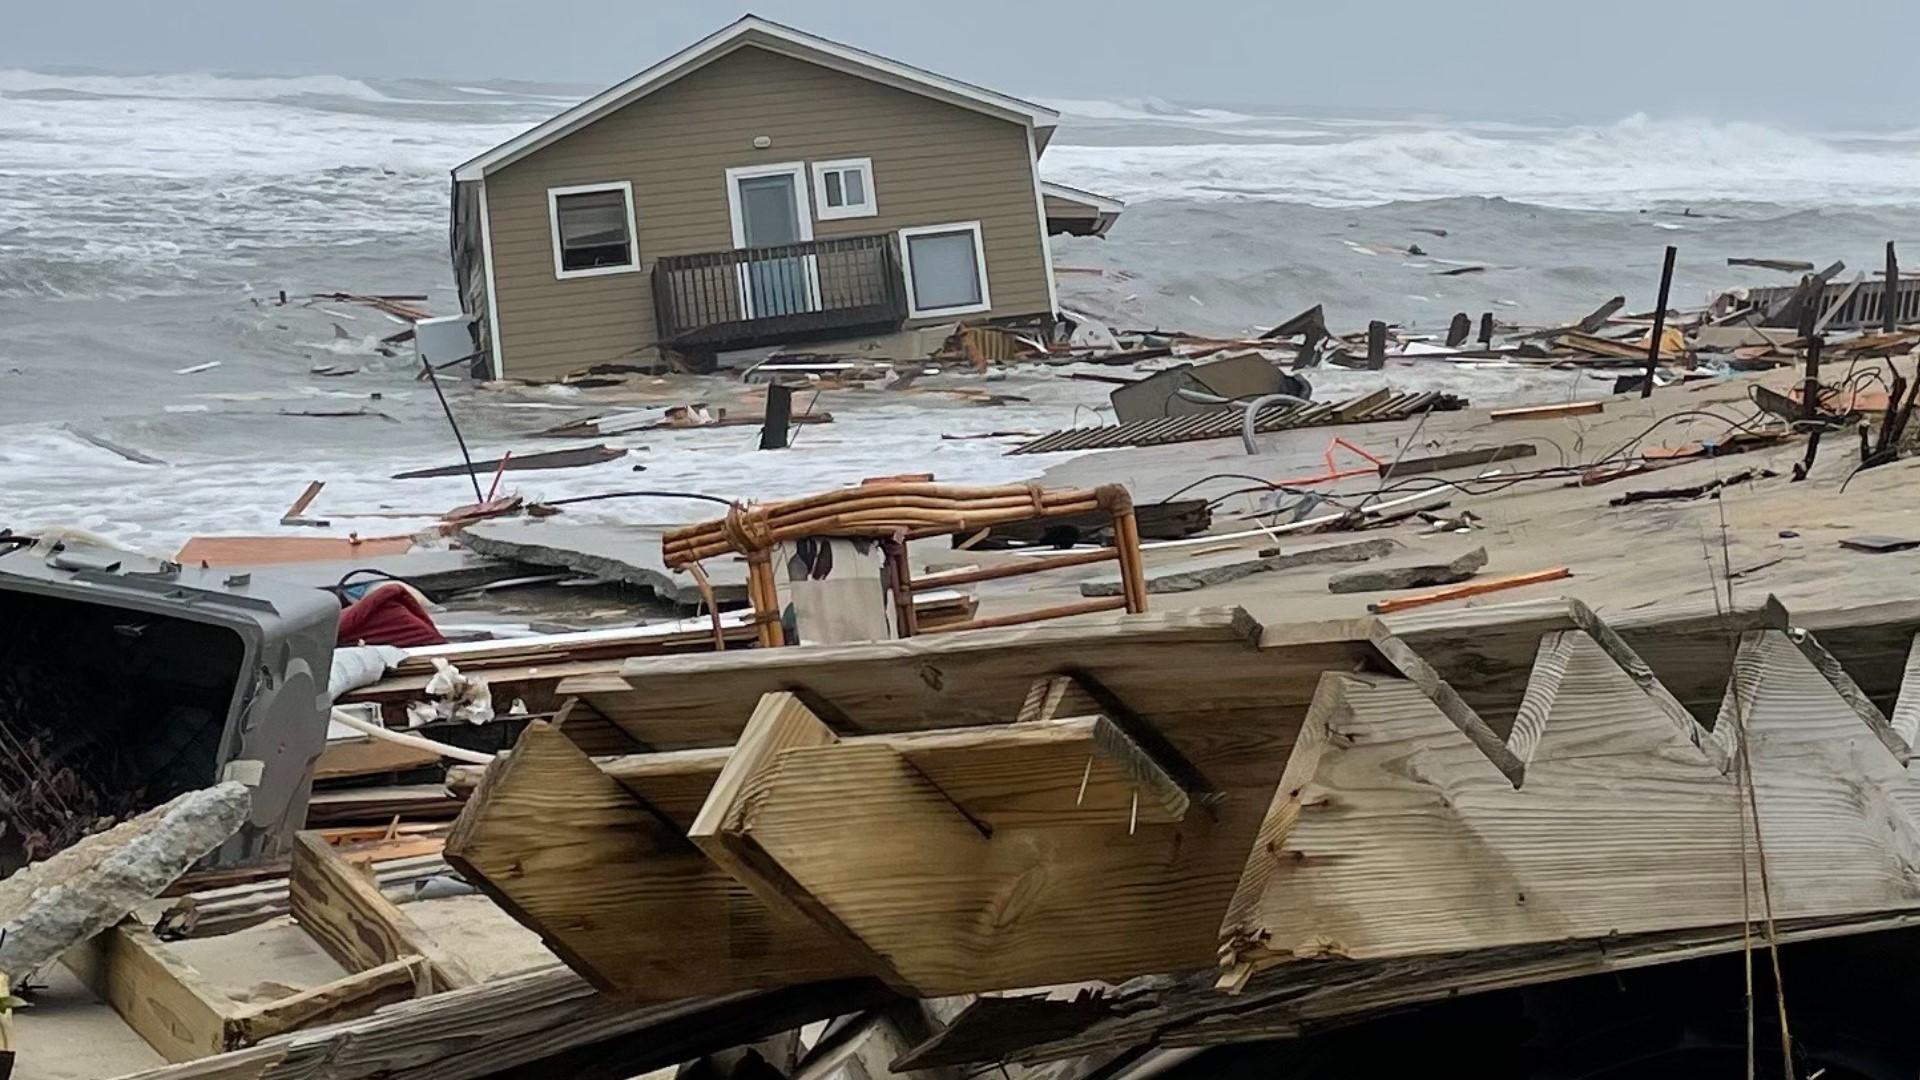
265	550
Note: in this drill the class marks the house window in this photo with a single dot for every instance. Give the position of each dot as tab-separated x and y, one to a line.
593	231
946	269
843	189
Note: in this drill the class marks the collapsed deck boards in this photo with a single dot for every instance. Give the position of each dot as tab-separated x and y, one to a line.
1040	846
1058	804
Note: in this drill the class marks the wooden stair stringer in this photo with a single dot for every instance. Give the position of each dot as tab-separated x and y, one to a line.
1393	834
968	859
616	891
1838	810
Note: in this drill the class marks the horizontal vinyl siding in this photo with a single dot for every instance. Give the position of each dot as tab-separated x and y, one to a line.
933	164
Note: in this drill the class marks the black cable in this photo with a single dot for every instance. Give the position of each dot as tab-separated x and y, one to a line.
371	572
434	378
1264	485
638	495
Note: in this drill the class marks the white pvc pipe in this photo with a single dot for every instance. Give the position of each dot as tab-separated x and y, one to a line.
380	731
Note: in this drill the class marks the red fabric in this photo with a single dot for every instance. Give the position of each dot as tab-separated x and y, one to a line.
389	615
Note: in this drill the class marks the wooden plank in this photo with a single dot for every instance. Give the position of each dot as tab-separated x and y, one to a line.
1548	412
1066	771
161	997
368	756
977	869
263	550
343	911
672	703
569	458
350	998
779	724
531	1026
615	889
1458	459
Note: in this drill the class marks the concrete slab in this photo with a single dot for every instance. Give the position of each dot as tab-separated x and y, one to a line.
628	553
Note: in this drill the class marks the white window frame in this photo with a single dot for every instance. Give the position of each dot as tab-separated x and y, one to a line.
625	187
979	261
835	213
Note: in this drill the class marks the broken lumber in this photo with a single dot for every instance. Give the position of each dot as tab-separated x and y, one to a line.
614	888
1543	412
1458	459
348	916
573	457
1476	588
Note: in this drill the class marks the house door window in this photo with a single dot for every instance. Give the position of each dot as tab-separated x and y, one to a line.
770	210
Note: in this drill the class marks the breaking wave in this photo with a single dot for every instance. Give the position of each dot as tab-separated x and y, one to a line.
1628	165
189	86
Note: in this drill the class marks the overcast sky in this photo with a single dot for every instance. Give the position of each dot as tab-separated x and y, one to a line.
1723	58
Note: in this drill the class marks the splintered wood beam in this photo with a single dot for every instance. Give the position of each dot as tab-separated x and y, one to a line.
617	890
160	996
345	912
350	998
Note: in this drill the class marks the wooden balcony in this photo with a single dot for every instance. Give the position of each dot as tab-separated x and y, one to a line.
749	297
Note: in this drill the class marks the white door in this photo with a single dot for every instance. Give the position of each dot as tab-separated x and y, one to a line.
771	210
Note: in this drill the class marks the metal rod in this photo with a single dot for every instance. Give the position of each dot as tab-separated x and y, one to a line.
1659	322
434	378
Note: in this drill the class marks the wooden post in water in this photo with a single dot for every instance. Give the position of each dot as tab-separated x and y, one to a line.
1890	295
1376	345
1659	322
1486	328
1458	330
1810	405
773	432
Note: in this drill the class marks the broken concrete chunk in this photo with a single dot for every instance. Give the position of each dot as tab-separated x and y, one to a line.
58	903
1410	574
628	553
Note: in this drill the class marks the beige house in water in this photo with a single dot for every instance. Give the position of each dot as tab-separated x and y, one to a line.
763	186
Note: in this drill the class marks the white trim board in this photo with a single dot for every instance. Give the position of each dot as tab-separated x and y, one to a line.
755	31
625	187
1040	212
1105	204
869	208
499	365
979	262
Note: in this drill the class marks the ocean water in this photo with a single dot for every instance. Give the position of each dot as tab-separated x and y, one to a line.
148	223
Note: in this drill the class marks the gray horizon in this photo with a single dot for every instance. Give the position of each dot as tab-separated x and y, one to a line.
1713	58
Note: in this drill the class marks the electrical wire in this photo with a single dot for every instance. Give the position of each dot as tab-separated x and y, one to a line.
1261	484
645	494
